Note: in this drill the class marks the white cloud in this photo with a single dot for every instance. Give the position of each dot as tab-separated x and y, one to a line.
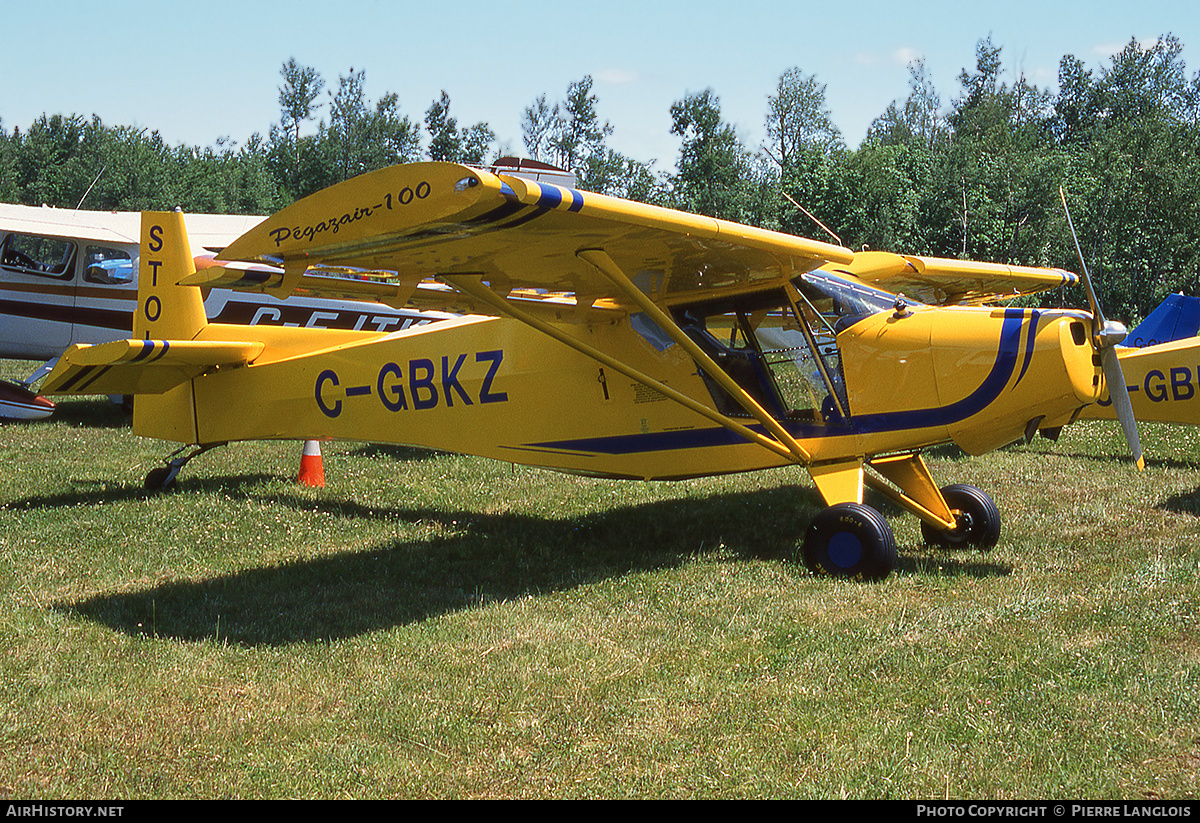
901	57
618	77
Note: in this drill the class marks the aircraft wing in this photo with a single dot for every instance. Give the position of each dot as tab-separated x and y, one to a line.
938	281
405	233
401	235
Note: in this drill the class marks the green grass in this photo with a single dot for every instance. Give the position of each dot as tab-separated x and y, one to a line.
430	625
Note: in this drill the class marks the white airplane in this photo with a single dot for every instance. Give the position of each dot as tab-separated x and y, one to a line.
70	276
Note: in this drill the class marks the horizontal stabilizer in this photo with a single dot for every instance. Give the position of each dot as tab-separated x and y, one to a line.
341	285
142	366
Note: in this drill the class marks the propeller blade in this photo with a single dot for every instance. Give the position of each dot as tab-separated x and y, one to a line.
1093	301
1105	338
1118	393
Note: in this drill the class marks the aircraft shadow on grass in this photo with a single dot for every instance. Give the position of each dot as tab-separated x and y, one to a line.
475	559
1151	461
406	454
1183	503
95	493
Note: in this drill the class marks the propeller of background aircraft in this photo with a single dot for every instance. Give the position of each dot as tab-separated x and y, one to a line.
1106	334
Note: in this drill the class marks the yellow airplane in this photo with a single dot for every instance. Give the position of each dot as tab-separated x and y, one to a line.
610	338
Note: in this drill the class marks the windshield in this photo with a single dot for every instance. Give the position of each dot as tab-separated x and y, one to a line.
781	346
843	298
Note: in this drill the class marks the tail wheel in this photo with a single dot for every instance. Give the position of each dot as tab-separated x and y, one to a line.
160	478
978	519
850	540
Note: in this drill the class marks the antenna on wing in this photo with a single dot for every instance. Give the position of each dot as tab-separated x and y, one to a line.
811	217
1106	334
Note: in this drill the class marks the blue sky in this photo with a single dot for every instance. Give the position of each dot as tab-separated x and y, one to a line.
205	70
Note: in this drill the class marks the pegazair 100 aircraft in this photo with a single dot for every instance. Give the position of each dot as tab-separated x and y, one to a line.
609	338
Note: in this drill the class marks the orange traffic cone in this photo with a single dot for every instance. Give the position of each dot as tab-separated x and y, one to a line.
312	472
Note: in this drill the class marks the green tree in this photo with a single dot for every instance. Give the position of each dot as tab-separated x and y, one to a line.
798	119
297	159
613	173
806	148
894	175
134	170
48	163
578	134
571	135
445	143
713	164
1001	166
1135	162
225	179
301	87
449	143
918	120
8	160
343	136
360	138
538	124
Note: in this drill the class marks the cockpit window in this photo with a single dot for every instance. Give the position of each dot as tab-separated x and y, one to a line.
107	265
781	348
31	254
844	299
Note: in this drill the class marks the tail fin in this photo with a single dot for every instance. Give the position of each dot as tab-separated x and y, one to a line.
166	310
1176	318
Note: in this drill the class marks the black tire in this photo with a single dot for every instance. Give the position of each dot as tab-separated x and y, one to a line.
850	540
159	478
978	520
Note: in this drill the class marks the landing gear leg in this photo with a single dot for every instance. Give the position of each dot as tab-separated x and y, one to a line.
850	540
164	477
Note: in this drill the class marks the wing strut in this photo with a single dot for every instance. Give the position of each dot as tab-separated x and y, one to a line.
795	297
605	265
473	286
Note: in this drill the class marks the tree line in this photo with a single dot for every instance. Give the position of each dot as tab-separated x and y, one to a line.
975	176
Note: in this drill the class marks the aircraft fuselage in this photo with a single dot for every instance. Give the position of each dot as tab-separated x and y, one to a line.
497	388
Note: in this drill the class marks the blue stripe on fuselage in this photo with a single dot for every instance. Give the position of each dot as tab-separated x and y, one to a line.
977	401
1033	325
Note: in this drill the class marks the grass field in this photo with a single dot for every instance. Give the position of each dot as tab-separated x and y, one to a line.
430	625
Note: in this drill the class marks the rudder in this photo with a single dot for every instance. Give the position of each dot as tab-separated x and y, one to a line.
1175	318
166	310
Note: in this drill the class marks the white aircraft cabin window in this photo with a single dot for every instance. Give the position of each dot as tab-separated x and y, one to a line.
110	266
33	254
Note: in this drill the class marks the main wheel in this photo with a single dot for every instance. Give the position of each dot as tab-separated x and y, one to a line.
850	540
978	519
